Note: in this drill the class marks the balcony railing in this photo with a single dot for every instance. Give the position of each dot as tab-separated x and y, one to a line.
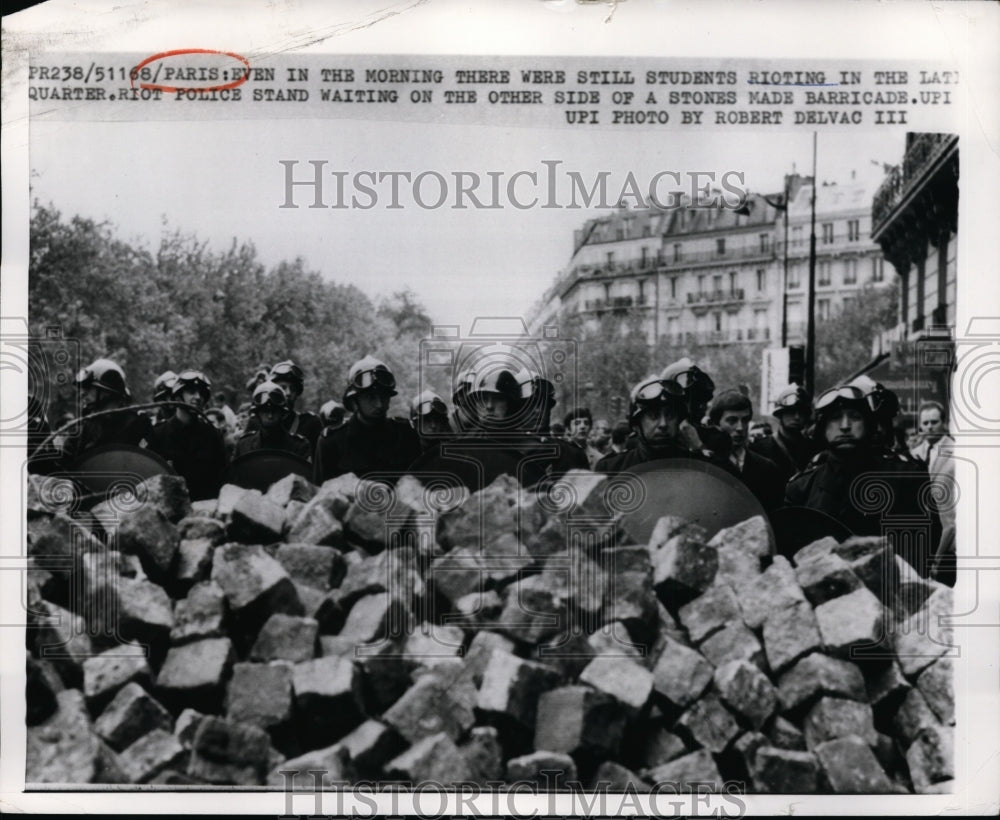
924	152
615	303
715	296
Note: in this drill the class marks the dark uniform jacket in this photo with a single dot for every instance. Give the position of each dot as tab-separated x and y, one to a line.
764	479
307	425
789	456
277	439
127	426
390	447
196	451
615	463
886	488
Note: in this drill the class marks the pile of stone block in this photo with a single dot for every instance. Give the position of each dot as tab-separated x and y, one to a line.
413	635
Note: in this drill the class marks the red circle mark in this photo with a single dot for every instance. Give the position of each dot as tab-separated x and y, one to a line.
177	89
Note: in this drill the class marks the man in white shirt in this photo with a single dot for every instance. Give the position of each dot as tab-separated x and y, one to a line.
937	451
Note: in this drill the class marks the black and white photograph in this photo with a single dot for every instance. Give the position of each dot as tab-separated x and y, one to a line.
487	423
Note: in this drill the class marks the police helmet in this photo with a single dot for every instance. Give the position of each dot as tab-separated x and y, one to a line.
496	380
535	388
842	397
269	394
163	386
426	404
288	371
691	378
332	413
790	398
368	373
884	403
195	379
654	391
105	375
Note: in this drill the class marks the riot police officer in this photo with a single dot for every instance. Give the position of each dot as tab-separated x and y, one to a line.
270	403
429	417
657	407
835	482
289	376
370	442
102	389
538	397
332	414
884	404
788	447
163	392
189	441
698	390
463	419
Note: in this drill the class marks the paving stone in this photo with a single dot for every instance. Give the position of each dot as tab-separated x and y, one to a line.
910	592
168	493
710	612
105	674
201	614
328	699
819	675
195	674
931	757
65	749
371	744
145	614
826	577
59	536
256	587
743	758
326	768
776	588
831	718
631	599
851	622
920	639
131	714
395	570
485	516
681	674
886	686
750	536
695	772
746	691
292	487
733	643
483	755
872	560
575	719
61	637
817	549
151	754
438	701
229	494
736	567
783	734
206	508
459	573
229	753
549	771
315	566
431	759
377	616
198	527
660	746
781	771
936	684
683	567
41	687
47	495
625	680
384	673
789	634
709	723
476	611
613	777
286	638
429	645
256	519
851	767
194	561
317	523
260	694
147	533
569	656
913	715
534	611
511	687
186	726
477	654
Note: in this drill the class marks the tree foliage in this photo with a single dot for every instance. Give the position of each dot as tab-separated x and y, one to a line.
223	312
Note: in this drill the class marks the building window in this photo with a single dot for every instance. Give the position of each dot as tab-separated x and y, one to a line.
761	280
827	233
607	291
718	322
720	246
823	309
645	256
853	230
851	272
673	288
717	282
765	242
619	233
701	283
878	269
646	230
677	251
797	236
732	281
611	257
824	273
794	280
642	291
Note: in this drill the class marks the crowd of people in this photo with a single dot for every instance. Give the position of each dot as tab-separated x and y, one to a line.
814	458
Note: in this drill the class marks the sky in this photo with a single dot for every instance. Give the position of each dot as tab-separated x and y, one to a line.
221	180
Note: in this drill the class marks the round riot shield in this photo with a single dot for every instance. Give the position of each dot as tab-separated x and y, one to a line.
797	527
116	466
691	489
476	463
259	469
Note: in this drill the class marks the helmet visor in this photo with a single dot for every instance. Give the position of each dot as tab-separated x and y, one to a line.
426	408
286	370
796	399
378	377
270	398
847	392
695	379
659	390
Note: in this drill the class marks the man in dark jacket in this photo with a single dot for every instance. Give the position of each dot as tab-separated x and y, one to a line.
370	442
788	447
270	403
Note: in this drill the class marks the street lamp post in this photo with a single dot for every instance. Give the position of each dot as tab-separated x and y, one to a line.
810	358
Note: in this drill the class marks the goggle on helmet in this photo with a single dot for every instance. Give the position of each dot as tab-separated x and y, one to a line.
655	391
269	394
